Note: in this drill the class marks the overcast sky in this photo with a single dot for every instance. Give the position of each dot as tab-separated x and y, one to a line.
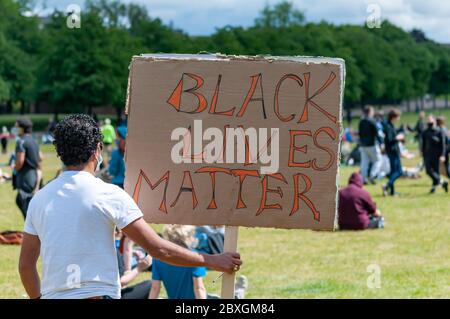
201	17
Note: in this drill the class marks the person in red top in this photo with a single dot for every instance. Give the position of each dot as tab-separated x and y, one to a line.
357	210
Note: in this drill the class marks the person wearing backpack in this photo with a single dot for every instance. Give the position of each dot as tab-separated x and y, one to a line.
210	239
185	282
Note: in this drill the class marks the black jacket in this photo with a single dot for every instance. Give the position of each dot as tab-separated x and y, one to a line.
368	132
390	141
419	128
433	143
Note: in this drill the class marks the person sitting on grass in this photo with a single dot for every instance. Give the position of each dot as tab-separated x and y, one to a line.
183	282
210	239
357	210
142	289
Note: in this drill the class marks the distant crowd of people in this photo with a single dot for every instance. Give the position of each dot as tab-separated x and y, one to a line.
380	148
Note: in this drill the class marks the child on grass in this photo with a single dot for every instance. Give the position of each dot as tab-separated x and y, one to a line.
183	282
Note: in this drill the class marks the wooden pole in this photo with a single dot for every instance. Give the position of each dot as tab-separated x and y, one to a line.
230	245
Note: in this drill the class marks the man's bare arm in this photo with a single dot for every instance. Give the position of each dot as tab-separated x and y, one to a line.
20	160
29	254
141	233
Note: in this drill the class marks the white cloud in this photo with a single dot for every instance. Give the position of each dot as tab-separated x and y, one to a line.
203	16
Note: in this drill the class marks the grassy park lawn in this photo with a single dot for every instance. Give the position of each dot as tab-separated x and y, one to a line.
412	251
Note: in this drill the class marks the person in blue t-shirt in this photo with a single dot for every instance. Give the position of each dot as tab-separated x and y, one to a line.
185	282
117	163
179	282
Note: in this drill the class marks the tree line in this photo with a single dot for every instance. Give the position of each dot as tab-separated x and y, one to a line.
42	61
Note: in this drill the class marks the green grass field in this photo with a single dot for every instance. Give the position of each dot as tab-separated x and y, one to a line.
413	251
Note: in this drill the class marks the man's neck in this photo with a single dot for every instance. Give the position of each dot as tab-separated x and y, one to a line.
82	168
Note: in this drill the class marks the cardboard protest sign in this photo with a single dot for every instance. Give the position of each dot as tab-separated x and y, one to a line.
230	140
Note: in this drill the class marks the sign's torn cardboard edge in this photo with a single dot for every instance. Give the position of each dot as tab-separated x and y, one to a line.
338	158
223	57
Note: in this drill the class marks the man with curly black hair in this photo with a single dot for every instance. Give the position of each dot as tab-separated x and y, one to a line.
71	222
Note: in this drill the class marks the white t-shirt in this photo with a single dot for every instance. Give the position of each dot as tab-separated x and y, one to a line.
74	217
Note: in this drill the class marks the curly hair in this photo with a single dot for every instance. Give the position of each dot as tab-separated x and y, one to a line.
76	138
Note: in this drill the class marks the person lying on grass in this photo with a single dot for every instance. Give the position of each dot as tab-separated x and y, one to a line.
71	223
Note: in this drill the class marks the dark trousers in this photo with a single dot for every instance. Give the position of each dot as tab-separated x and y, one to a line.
23	200
376	222
396	170
432	169
139	291
4	142
26	181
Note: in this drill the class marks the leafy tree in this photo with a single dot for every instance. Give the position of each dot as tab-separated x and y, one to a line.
281	15
4	90
153	34
19	46
440	78
86	67
80	69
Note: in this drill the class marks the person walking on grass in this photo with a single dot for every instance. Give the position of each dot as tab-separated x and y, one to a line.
71	224
391	142
4	136
440	122
433	150
370	146
109	137
27	165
